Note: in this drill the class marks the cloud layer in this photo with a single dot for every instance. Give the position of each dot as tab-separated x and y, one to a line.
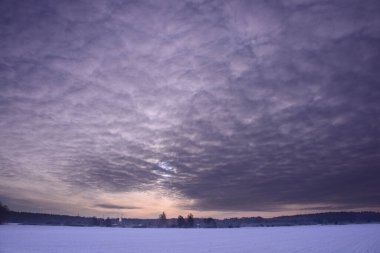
233	106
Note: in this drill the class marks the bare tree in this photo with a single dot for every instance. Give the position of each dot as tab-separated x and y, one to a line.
190	220
162	219
181	222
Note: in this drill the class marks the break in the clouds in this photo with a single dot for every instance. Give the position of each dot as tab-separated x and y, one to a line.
217	105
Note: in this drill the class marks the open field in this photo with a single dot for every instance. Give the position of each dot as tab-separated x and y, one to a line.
310	239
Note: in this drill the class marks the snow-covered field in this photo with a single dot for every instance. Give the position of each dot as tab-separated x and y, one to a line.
309	239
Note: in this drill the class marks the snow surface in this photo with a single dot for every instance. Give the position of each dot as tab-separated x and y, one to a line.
309	239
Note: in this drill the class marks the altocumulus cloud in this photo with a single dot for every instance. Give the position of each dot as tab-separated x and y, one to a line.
236	105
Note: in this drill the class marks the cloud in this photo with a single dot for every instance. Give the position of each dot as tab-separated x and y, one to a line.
234	106
111	206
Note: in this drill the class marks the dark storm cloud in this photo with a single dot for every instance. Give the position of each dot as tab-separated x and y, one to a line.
242	105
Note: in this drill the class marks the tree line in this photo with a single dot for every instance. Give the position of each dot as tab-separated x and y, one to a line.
181	221
8	216
188	222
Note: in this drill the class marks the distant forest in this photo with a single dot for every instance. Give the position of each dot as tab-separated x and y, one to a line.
329	218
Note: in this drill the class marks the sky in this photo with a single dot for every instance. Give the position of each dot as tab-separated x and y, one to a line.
219	108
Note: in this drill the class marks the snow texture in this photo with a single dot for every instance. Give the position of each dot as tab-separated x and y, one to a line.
310	239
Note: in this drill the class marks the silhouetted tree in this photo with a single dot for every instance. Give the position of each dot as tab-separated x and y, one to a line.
94	221
4	211
190	220
108	222
162	219
181	221
210	223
